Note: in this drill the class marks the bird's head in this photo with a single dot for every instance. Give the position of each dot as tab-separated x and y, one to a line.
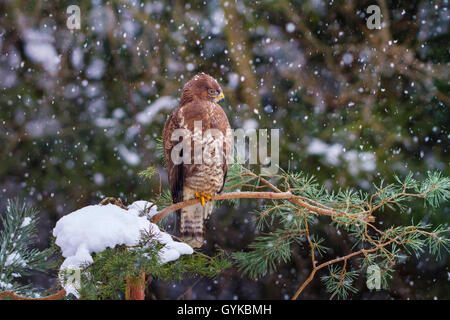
202	87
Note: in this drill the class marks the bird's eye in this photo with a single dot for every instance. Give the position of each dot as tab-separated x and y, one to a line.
211	91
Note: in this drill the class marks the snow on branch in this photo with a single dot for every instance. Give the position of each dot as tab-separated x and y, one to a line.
95	228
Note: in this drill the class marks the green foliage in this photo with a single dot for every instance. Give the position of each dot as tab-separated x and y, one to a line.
194	266
164	200
438	243
284	224
436	189
148	173
237	181
106	277
160	150
18	258
266	252
339	283
383	261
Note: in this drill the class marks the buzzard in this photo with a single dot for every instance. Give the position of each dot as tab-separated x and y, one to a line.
197	141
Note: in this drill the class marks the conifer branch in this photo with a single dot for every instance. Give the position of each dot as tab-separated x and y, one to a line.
294	199
12	295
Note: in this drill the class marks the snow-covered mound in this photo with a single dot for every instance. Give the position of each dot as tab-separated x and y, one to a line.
97	227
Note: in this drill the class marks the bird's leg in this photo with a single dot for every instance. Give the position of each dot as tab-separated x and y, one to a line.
202	197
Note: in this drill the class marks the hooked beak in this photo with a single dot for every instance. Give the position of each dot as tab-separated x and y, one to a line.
220	97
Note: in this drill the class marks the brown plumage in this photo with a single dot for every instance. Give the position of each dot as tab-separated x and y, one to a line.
194	178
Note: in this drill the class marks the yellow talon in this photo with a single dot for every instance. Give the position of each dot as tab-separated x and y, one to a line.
202	197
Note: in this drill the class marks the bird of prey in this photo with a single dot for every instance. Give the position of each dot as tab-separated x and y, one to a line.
199	172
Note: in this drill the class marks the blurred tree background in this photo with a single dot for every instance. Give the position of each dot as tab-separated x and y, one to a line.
81	111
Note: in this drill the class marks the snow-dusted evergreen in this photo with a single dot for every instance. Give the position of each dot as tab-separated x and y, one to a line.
19	257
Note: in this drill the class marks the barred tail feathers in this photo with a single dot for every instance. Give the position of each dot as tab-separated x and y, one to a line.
192	220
